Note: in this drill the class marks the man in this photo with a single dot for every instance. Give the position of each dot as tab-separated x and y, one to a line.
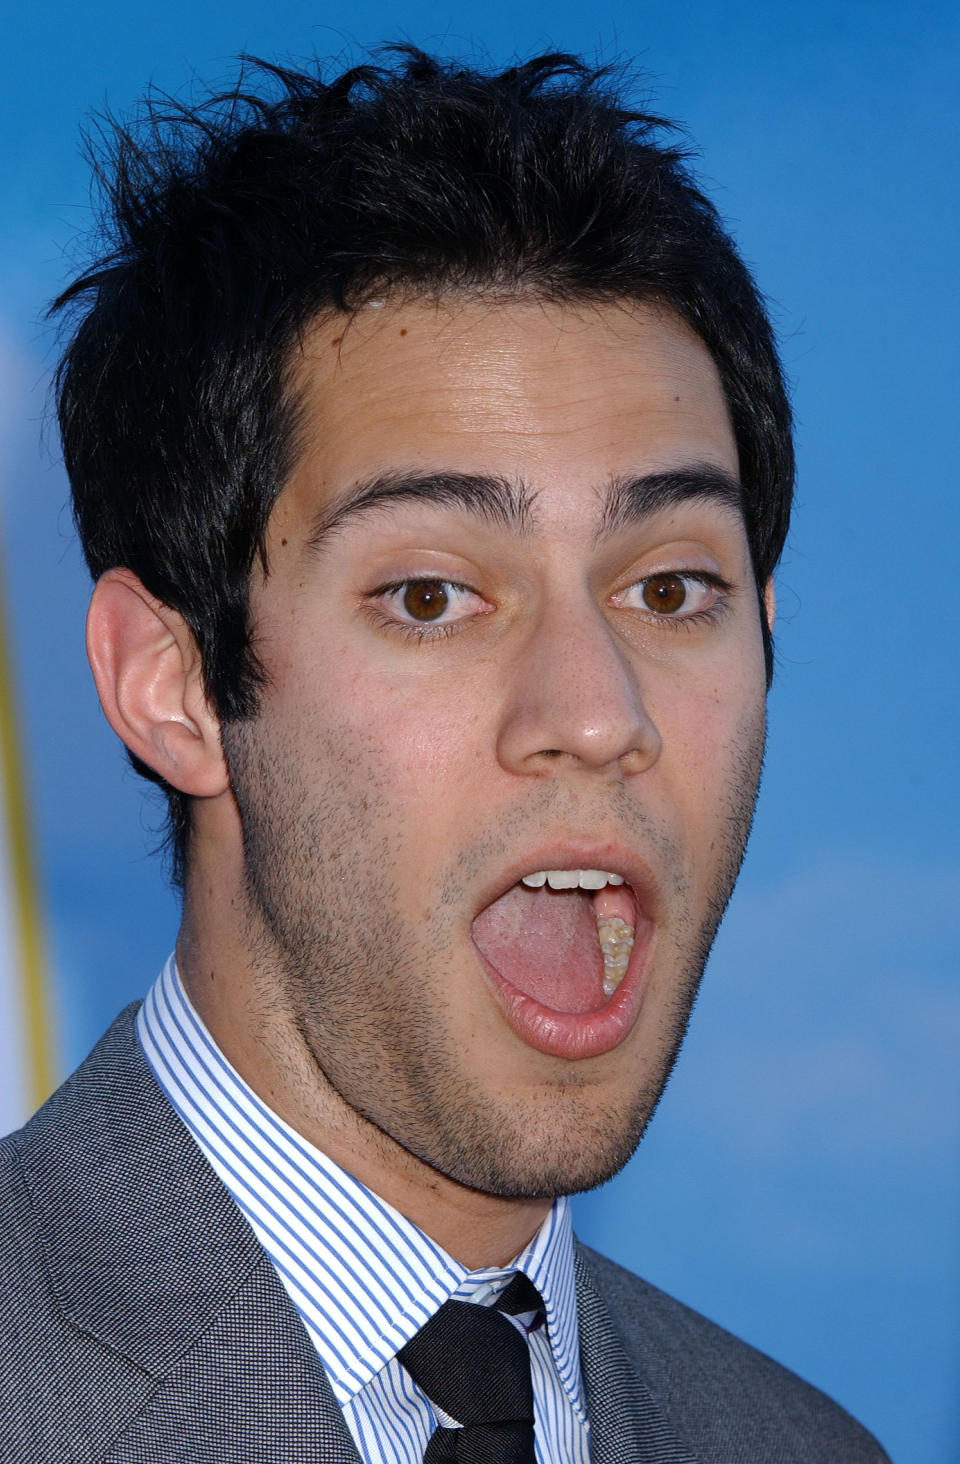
430	451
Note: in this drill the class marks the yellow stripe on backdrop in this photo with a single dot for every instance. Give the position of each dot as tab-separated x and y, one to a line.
25	943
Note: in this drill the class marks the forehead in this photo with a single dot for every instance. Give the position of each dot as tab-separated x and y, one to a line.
562	397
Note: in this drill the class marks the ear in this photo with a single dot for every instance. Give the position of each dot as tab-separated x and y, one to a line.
770	603
146	665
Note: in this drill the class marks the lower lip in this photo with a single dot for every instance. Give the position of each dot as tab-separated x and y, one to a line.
574	1035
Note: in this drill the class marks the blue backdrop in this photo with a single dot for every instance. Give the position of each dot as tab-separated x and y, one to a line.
801	1182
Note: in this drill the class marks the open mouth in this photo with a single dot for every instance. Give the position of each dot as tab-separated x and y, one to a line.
562	937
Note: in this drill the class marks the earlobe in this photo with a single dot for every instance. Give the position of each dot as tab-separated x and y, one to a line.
146	666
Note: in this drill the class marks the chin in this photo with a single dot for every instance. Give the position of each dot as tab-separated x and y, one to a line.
561	1149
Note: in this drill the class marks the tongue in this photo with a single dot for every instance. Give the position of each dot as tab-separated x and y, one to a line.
545	943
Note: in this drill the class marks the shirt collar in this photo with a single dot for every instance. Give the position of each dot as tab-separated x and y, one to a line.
364	1278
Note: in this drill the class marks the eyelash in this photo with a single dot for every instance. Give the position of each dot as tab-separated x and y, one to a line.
710	614
410	629
431	631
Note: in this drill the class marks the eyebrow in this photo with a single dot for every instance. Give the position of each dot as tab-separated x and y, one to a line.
509	505
502	503
628	500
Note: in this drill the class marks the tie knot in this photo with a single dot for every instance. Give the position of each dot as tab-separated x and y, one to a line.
474	1364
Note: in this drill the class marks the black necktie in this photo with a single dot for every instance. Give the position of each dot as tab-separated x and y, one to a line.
475	1365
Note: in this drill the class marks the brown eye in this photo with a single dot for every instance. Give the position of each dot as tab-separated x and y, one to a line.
425	599
665	593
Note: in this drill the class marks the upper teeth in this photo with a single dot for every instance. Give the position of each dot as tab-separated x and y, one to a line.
571	879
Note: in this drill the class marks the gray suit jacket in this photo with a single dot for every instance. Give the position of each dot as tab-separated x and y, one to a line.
141	1321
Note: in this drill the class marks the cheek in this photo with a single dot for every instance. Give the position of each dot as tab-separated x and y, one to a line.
434	754
701	727
408	732
712	738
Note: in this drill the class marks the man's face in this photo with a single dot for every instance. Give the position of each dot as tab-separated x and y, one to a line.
510	627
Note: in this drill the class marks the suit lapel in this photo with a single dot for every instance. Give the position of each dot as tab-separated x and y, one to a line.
148	1253
251	1391
627	1425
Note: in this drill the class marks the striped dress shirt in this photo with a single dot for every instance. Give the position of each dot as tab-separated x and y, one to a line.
363	1278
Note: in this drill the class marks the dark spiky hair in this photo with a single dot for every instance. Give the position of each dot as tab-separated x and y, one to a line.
232	224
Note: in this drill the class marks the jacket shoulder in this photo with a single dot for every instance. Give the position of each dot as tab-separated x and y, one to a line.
63	1396
729	1400
71	1199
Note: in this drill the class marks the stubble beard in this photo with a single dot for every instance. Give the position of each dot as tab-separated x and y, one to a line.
363	989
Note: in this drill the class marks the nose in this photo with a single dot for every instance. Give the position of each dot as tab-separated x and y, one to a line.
576	696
